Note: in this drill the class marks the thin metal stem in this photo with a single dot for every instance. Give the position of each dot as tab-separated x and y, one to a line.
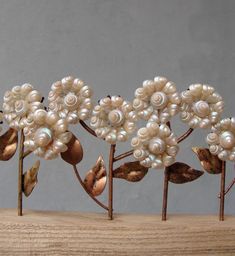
82	184
229	187
20	174
222	191
86	127
27	153
126	154
165	189
111	161
165	195
185	135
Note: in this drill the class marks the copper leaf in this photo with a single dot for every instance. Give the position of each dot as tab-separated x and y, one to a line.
74	153
211	163
96	178
30	178
182	173
132	171
8	144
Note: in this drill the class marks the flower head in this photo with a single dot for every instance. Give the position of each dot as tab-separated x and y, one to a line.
221	140
157	98
18	103
201	106
155	146
46	134
71	99
113	119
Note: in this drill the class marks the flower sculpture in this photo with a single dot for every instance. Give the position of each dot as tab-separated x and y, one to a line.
46	134
113	119
222	139
18	103
201	106
155	146
71	99
157	98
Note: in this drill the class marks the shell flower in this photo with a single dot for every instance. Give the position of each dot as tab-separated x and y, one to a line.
71	99
18	103
201	106
113	119
155	146
221	140
158	99
46	134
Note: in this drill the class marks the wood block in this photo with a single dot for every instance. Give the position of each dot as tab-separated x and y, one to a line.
76	233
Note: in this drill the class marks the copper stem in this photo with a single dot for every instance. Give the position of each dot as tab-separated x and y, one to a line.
111	161
82	184
27	153
20	173
165	195
126	154
185	135
86	127
222	191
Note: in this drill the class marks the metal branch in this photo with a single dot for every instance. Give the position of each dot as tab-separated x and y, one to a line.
26	153
82	184
222	191
87	128
185	135
111	161
20	174
126	154
228	188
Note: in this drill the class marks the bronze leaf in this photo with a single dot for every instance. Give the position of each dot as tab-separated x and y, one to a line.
96	178
8	144
180	173
211	163
30	178
132	171
74	153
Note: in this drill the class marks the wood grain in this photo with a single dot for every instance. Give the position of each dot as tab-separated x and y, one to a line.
73	233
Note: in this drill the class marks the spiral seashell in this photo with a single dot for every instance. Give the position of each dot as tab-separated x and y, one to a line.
232	156
164	130
67	82
40	116
77	84
143	134
122	136
34	96
212	138
141	94
196	89
186	116
223	155
102	132
159	100
149	87
58	147
201	108
165	117
215	149
51	118
169	88
65	137
111	138
135	142
139	104
227	140
116	117
61	126
139	154
26	89
194	122
205	123
16	90
157	146
71	101
175	98
21	107
153	128
129	127
57	86
172	150
43	137
187	97
225	124
168	160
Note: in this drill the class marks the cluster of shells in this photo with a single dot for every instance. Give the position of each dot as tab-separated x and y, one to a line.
46	129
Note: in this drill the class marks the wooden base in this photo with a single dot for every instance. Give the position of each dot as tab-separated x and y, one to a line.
73	233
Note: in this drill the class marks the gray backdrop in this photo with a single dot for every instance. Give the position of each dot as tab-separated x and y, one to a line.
114	45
